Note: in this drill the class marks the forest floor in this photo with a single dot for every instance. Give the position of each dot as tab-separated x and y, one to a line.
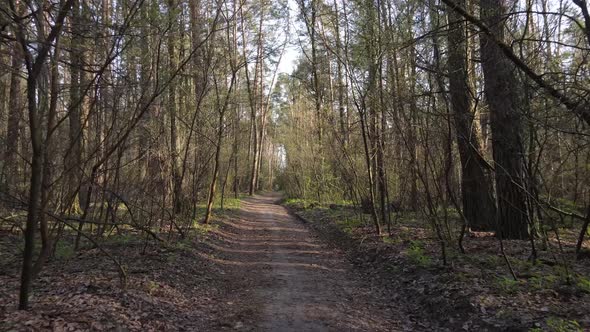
256	269
473	291
263	267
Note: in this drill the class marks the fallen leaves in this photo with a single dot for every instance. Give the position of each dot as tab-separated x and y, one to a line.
170	290
475	291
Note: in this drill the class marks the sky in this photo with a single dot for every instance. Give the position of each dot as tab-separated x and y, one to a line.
289	59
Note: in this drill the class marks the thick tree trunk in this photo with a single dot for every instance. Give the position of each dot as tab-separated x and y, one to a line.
502	98
478	204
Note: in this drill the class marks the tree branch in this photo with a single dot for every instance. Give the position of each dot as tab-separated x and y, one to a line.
577	107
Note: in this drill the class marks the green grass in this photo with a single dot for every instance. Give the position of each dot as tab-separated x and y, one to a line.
229	203
298	203
64	250
123	238
349	223
417	254
556	324
507	284
542	282
186	243
203	229
583	284
390	239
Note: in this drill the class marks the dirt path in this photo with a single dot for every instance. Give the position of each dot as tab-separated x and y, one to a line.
295	282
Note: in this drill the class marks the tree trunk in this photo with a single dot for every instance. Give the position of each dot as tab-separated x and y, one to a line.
46	240
172	105
15	112
213	184
502	98
34	68
34	203
478	205
74	154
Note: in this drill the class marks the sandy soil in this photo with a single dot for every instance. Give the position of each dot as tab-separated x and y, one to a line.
296	282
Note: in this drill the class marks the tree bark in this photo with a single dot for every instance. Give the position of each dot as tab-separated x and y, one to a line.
74	153
34	68
501	95
478	204
172	106
15	111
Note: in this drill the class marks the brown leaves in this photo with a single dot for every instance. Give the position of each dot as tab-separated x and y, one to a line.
168	290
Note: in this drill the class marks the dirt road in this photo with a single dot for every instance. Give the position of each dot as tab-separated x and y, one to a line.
295	283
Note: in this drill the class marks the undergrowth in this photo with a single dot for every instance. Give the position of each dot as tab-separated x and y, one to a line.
417	254
481	265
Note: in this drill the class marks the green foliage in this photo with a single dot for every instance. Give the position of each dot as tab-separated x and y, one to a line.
565	205
229	203
349	224
203	229
507	284
390	240
521	264
300	203
542	282
493	260
556	324
417	254
185	243
562	272
64	250
568	205
122	239
409	218
583	284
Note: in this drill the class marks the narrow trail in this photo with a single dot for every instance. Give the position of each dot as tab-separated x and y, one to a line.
295	282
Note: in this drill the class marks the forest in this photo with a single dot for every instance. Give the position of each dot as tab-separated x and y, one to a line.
294	165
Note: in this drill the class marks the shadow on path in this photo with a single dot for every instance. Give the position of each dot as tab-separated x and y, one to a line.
297	282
